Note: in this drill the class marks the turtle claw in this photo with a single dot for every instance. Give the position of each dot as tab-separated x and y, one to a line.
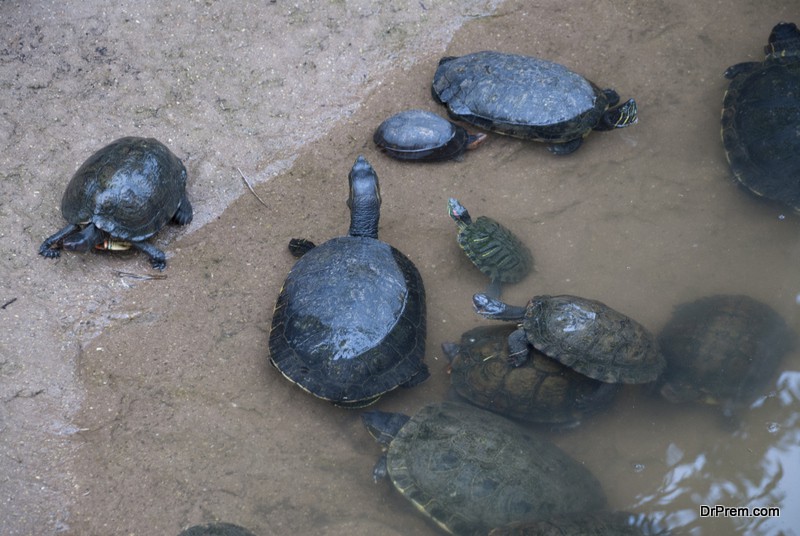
46	251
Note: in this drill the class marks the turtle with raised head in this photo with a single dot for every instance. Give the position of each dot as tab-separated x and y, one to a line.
493	248
528	98
120	197
349	323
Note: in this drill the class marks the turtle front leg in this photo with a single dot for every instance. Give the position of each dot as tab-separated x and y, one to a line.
518	349
158	259
51	247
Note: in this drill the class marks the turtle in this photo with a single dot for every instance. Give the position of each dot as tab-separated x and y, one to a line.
761	119
492	248
349	323
529	98
722	349
583	334
122	195
424	136
601	523
216	529
471	470
541	390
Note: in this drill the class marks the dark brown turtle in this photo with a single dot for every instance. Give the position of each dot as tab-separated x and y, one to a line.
586	335
722	349
540	390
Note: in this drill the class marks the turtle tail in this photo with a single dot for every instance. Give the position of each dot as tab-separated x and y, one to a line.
621	116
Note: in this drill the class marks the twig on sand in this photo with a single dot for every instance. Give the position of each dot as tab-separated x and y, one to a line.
144	277
250	187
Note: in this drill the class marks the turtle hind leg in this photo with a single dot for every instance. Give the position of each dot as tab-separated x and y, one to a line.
158	259
624	115
47	248
184	214
565	148
300	246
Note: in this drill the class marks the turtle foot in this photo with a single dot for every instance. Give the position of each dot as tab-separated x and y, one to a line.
46	251
562	149
184	214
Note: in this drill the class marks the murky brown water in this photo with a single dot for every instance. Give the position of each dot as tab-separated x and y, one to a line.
180	418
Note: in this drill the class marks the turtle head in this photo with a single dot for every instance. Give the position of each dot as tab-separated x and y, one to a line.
784	40
88	238
365	199
458	212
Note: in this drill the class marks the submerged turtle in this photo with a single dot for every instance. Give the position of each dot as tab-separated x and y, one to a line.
722	349
349	324
585	335
761	119
603	523
540	390
424	136
122	195
471	470
528	98
216	529
492	248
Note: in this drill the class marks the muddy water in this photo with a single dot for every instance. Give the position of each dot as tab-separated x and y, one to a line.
182	421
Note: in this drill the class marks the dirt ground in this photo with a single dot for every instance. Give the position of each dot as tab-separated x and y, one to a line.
143	406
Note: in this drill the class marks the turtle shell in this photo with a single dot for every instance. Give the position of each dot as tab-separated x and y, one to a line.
519	96
495	250
541	390
761	123
582	524
722	349
421	135
130	189
593	339
349	324
216	529
471	470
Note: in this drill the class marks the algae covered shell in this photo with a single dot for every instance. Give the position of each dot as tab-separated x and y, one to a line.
471	470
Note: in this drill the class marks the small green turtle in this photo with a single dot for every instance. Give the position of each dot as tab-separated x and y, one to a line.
492	248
